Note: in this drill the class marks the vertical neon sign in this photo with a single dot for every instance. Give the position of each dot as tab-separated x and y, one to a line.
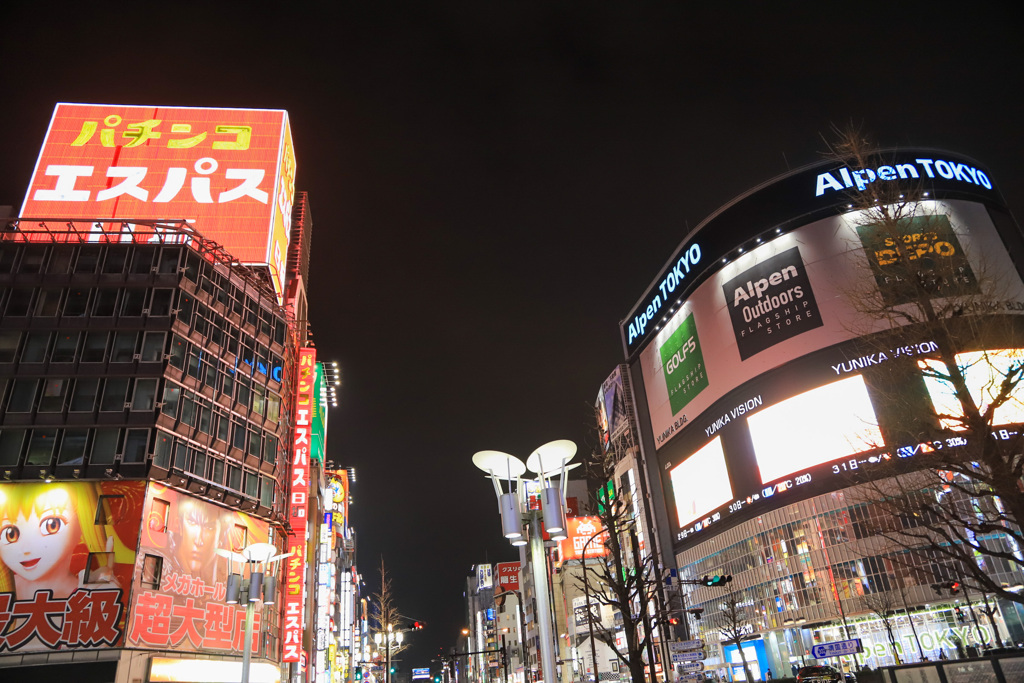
298	503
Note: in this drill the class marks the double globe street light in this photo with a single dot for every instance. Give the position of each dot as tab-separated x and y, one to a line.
393	636
522	524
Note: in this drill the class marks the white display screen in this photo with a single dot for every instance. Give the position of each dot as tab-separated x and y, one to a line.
700	483
984	372
813	428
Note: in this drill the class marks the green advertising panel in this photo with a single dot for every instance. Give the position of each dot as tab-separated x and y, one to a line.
318	426
685	374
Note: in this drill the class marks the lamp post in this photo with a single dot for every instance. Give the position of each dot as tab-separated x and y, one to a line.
548	460
251	588
392	636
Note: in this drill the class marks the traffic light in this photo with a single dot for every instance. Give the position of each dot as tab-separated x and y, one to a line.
674	621
358	675
959	614
954	587
392	671
716	580
416	625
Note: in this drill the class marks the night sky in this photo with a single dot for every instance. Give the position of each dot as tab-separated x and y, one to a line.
493	186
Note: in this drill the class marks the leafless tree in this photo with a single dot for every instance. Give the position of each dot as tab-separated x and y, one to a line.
883	605
386	618
954	468
624	580
735	627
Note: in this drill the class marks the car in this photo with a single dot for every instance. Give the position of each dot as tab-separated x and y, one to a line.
818	674
850	677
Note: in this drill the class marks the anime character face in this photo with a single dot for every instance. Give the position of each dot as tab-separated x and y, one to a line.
39	546
198	537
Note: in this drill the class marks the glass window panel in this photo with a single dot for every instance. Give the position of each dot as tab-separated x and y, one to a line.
186	305
238	437
104	446
217	473
60	260
259	401
161	302
188	410
36	346
252	484
145	394
273	407
105	303
136	443
88	259
162	449
115	260
77	303
11	441
9	341
179	348
169	260
266	492
223	427
234	478
83	399
123	350
142	260
54	392
255	442
172	392
153	347
65	347
115	391
32	259
193	363
48	302
180	455
72	447
199	463
133	302
18	302
95	348
23	395
40	447
205	418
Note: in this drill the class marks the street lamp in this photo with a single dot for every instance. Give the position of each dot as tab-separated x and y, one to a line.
247	590
393	636
548	460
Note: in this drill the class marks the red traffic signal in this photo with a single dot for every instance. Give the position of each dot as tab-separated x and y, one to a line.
954	587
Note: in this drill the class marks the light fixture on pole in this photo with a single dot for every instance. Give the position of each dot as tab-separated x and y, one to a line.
249	589
392	636
545	462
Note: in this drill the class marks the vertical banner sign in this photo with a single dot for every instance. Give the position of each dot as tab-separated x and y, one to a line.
297	506
507	577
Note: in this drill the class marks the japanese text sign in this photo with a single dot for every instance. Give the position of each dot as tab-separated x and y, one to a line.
298	505
506	577
230	172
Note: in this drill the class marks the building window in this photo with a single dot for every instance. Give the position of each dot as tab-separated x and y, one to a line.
123	350
54	393
83	400
41	446
105	303
36	347
172	392
157	521
115	392
234	478
19	302
48	302
99	568
104	446
152	568
11	442
72	447
65	347
238	436
160	302
23	395
153	347
77	303
136	445
109	509
9	341
133	303
94	350
144	397
88	259
162	450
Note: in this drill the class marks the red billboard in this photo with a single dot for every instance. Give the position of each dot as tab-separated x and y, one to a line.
182	580
585	535
298	505
67	551
506	577
229	172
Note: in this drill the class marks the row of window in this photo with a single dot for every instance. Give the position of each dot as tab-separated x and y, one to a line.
206	417
79	302
115	260
243	382
138	394
93	346
44	447
170	451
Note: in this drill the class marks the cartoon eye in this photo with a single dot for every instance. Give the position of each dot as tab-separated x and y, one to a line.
52	525
10	534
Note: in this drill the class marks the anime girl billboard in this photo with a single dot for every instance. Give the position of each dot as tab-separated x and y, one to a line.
67	552
179	602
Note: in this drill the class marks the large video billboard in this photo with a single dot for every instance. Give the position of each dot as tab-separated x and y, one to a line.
768	378
230	172
67	552
182	580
